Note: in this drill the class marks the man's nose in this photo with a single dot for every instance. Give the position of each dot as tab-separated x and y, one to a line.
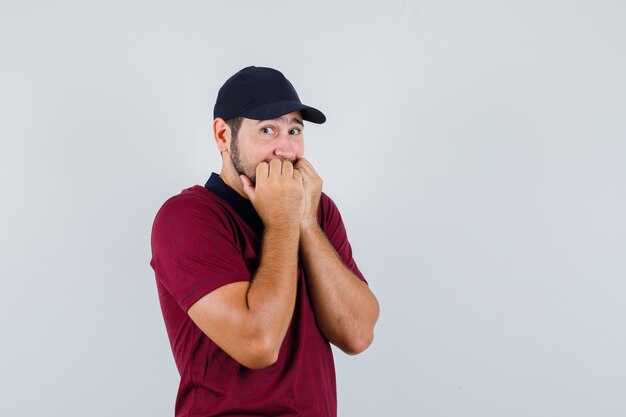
284	148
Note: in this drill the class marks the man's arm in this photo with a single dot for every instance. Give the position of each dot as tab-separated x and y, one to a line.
345	308
249	320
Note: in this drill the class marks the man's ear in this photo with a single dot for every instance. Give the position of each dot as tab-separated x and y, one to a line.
221	133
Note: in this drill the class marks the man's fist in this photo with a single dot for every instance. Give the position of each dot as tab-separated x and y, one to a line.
278	196
312	190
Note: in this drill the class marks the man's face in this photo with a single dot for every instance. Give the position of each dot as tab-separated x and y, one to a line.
263	140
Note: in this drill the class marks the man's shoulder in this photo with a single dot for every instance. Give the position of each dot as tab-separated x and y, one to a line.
327	211
327	204
195	202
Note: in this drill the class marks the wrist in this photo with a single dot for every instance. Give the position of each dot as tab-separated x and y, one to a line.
308	225
283	228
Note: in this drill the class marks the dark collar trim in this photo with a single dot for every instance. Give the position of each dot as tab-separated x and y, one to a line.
242	206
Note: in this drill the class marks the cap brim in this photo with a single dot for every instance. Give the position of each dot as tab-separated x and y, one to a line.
274	110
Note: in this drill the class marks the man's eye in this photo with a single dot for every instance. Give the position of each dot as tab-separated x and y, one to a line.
267	130
294	131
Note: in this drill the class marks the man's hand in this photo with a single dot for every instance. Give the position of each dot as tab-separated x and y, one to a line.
279	194
312	191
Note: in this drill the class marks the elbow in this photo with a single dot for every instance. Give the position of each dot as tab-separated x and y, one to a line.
258	362
260	354
358	344
362	339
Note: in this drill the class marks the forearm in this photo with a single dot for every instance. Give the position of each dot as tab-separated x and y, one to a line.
272	293
345	308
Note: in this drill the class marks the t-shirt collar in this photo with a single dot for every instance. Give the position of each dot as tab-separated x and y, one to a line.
242	206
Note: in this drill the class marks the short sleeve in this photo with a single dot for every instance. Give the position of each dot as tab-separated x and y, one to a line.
194	249
334	229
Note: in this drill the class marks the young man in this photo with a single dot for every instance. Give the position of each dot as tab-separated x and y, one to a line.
254	270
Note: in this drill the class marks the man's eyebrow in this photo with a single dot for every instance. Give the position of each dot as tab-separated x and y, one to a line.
294	120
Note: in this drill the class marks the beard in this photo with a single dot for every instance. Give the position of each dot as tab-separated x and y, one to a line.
239	162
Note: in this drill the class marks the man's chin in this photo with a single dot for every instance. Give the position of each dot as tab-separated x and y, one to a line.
252	177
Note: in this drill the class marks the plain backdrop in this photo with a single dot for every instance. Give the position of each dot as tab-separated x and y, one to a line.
477	152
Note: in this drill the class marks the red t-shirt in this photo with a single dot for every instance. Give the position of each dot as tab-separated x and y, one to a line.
206	237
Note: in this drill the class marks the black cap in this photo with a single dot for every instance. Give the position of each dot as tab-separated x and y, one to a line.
261	94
